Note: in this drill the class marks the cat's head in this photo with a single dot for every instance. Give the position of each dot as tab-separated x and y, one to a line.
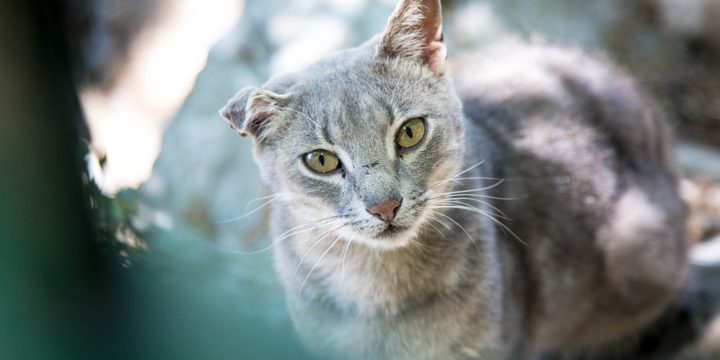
359	141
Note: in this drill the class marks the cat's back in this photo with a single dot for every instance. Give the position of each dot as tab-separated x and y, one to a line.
593	198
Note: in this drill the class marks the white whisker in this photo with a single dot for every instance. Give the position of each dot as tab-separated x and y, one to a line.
288	233
466	191
432	217
316	264
452	178
275	197
263	198
347	247
461	228
489	216
481	196
440	232
307	252
459	201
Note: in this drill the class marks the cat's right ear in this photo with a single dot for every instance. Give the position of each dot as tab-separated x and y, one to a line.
414	32
256	112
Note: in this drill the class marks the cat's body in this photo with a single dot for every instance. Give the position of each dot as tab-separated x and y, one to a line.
592	246
587	160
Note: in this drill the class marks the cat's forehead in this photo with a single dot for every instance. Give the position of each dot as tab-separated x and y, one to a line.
355	97
347	116
354	74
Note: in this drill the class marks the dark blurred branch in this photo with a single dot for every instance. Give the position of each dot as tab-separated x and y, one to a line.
55	289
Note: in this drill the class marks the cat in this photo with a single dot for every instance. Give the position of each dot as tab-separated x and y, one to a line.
527	207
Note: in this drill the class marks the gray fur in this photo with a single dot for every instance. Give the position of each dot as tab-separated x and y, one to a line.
591	251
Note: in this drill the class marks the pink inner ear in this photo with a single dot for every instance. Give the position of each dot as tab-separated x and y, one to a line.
437	53
414	31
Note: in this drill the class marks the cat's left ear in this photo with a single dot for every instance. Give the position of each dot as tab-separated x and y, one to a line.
414	31
256	112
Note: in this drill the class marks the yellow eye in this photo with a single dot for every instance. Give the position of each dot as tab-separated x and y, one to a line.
410	133
321	161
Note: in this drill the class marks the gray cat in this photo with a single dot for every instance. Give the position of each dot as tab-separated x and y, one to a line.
535	212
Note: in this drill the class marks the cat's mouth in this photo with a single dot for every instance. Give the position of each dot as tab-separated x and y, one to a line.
391	231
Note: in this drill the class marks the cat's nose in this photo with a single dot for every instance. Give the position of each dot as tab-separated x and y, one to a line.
386	210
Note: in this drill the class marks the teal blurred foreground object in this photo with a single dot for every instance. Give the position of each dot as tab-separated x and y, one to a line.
55	289
64	291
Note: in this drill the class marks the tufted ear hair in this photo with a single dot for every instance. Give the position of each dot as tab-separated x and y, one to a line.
414	31
256	112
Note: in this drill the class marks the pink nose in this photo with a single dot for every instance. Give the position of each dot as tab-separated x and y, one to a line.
386	210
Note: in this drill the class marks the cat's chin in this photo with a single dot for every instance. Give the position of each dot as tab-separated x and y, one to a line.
391	231
390	238
393	236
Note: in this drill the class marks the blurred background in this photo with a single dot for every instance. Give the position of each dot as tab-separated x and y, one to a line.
131	218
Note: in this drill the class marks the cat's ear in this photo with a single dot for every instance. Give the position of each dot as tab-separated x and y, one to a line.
256	112
414	31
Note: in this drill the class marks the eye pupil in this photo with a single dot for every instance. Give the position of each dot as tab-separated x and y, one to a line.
408	131
321	159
